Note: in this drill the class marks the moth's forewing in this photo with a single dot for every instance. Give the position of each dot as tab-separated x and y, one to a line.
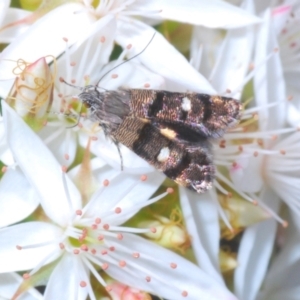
188	165
208	116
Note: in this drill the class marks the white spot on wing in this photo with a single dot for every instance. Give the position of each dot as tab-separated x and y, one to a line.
186	104
163	154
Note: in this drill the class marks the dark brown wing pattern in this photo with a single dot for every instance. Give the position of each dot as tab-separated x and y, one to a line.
190	166
169	130
186	113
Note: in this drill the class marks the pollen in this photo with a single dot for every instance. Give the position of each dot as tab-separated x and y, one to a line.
105	266
114	76
118	210
143	177
82	284
148	278
102	39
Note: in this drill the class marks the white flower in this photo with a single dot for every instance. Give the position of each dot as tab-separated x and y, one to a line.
9	283
124	256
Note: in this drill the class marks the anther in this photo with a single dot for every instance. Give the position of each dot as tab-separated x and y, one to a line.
122	263
144	177
173	265
118	210
82	284
78	212
184	294
170	190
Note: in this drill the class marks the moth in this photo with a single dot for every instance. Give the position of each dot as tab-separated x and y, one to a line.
171	131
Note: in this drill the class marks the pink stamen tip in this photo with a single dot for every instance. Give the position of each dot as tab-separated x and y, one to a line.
184	294
118	210
78	212
135	255
173	265
122	263
170	190
64	169
144	177
153	229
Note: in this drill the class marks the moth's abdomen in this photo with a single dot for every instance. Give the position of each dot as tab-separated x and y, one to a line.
190	167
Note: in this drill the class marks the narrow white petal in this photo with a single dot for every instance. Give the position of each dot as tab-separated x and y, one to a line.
40	168
65	280
233	60
18	199
13	15
213	13
28	234
202	221
9	283
269	86
254	253
161	57
166	282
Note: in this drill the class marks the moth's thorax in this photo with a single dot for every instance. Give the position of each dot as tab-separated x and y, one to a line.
108	108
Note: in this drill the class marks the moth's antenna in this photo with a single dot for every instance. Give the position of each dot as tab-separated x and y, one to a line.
69	84
131	58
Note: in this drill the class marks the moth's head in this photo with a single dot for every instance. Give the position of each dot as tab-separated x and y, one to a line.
90	96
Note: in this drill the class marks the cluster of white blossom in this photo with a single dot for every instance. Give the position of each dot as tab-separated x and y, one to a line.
65	204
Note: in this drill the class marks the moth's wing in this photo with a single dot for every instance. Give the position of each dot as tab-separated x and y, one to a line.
188	164
187	113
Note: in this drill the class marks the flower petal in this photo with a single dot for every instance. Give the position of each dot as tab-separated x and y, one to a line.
28	234
9	283
202	221
161	57
269	85
63	21
171	276
213	13
40	168
65	279
254	253
13	15
233	60
16	203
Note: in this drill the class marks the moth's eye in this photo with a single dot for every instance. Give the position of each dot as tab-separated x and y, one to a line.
87	104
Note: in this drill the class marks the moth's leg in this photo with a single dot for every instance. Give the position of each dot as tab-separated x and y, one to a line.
120	154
